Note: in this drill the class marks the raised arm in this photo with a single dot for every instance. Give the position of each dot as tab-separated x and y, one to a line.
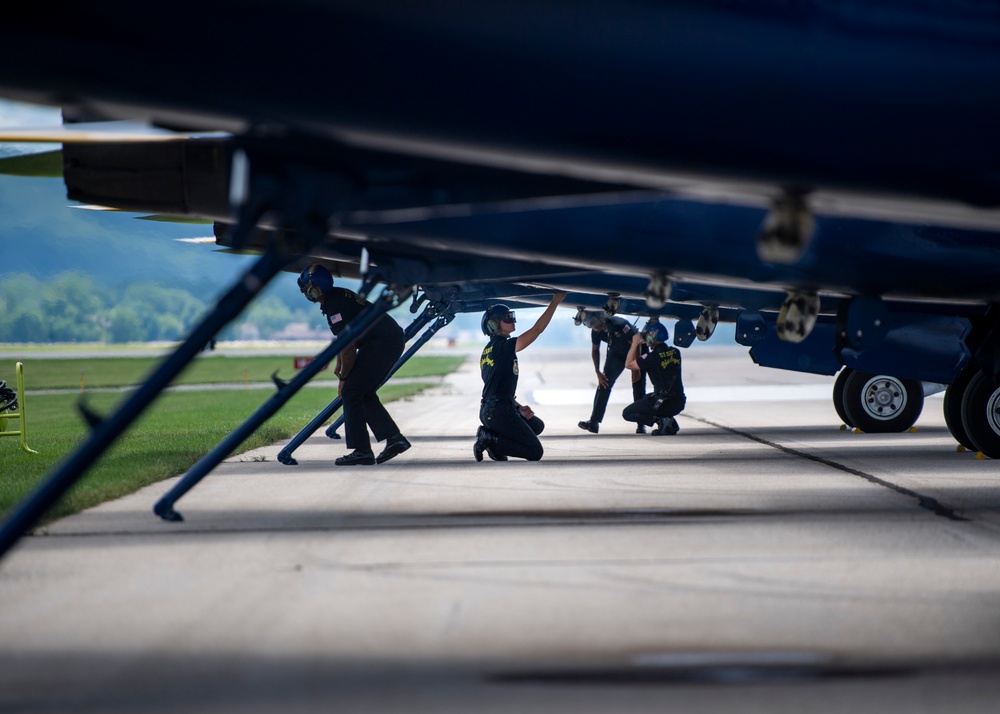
532	333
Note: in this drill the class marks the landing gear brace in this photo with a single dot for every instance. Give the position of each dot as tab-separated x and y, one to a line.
298	199
285	455
164	508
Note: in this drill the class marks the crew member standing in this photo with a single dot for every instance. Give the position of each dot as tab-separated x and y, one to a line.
362	366
663	365
617	333
508	429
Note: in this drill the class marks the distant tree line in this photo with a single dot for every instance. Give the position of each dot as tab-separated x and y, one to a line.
72	307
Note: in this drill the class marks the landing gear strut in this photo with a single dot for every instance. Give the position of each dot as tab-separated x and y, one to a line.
446	316
389	299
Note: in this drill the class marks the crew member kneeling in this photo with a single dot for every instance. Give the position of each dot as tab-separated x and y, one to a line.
508	429
663	366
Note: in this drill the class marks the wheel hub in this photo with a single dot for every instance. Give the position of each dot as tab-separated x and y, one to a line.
883	398
993	411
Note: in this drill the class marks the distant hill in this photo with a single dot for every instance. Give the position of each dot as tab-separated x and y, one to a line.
41	235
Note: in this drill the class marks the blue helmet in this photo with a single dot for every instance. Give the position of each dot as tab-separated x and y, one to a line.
493	316
314	282
655	332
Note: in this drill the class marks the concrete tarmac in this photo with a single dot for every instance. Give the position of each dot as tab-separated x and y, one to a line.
762	560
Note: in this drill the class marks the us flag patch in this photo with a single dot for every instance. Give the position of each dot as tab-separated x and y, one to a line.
334	319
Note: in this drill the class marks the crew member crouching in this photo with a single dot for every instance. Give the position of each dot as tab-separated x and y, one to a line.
663	366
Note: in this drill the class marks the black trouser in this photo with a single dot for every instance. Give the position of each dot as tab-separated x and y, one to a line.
361	402
513	434
649	409
536	424
613	367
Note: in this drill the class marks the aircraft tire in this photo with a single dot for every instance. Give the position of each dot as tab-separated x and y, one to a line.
981	414
953	397
838	395
882	404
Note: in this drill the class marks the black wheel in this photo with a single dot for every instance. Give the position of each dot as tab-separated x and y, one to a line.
880	404
953	408
981	414
838	395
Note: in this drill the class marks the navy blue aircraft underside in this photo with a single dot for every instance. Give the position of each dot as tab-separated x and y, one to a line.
825	175
876	97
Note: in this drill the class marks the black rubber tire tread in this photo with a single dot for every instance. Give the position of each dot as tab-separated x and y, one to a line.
974	417
953	408
838	395
868	424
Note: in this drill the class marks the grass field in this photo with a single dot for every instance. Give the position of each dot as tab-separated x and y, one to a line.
172	435
41	374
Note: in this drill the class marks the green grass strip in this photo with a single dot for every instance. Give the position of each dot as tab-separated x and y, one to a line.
173	434
91	373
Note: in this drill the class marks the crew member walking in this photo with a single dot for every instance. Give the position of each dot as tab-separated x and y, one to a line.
362	366
617	333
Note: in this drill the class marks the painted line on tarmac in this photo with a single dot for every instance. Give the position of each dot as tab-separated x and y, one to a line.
925	502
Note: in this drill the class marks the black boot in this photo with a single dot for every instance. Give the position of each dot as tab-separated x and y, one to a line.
484	441
491	452
356	458
394	446
589	425
667	426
